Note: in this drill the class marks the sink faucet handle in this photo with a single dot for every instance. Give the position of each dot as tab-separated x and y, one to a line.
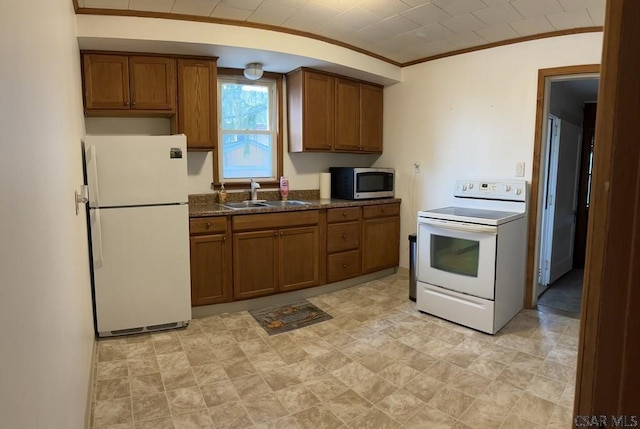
254	189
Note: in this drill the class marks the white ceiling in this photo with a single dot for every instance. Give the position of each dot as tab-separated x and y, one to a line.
400	31
579	90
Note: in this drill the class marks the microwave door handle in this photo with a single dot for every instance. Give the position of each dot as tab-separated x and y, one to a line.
457	226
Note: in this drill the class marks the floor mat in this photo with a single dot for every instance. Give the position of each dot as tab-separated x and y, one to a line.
275	320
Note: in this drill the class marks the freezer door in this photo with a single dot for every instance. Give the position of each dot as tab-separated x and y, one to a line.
141	266
136	170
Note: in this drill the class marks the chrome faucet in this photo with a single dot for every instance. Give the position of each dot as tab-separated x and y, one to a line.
254	190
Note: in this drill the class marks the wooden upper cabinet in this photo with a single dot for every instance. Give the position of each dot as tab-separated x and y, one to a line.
371	109
197	103
152	83
106	81
347	115
329	113
310	111
124	83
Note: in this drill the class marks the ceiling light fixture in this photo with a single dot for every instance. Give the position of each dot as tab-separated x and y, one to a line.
253	71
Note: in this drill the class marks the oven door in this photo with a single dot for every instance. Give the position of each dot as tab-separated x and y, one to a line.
457	256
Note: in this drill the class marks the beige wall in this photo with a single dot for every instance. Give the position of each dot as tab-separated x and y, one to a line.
45	295
468	116
302	169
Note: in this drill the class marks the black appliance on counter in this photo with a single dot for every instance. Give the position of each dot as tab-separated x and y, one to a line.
358	183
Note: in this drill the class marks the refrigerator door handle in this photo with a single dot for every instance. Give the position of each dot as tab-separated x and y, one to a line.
96	238
92	167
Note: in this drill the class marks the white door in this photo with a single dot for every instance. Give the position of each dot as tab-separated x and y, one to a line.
136	170
560	201
141	266
457	256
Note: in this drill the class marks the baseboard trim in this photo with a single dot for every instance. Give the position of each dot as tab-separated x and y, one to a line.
92	376
283	298
403	271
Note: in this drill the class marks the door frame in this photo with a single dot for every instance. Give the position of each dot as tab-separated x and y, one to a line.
546	219
545	76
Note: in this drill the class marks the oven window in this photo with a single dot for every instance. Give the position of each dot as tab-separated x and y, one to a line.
455	255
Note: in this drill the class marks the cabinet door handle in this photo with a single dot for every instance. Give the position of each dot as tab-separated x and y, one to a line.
224	238
125	103
280	233
275	234
133	104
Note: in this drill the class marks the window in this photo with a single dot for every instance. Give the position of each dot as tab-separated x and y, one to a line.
250	142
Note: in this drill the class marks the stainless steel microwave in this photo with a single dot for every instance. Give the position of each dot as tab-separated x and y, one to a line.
356	183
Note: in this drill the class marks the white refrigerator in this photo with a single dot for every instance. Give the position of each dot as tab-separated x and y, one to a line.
139	231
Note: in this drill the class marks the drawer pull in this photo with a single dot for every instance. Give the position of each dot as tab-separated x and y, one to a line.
344	265
344	214
208	225
344	236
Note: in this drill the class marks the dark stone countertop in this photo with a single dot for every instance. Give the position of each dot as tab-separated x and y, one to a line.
202	205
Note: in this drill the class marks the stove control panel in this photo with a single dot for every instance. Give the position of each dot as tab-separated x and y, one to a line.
508	190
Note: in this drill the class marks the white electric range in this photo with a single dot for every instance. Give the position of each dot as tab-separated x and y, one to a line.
471	257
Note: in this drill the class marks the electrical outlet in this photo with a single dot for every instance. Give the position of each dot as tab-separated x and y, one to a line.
416	167
520	169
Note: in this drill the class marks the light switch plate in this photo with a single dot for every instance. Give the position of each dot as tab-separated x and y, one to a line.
520	169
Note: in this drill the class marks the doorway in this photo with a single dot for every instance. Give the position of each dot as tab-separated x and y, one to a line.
560	188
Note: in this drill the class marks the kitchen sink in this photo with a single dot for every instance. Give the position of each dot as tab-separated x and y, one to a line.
262	204
245	205
288	203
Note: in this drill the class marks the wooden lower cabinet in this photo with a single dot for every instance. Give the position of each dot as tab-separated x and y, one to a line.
299	253
344	265
280	252
210	261
277	259
380	237
255	264
343	243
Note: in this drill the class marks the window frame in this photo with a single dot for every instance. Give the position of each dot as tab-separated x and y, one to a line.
278	141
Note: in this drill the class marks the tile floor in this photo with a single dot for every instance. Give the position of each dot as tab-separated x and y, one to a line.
565	294
378	363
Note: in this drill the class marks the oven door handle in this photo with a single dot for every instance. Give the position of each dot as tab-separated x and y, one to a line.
460	226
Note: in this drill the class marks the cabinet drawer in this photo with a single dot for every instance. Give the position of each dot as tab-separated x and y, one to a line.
208	225
343	236
381	210
275	220
343	214
342	266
